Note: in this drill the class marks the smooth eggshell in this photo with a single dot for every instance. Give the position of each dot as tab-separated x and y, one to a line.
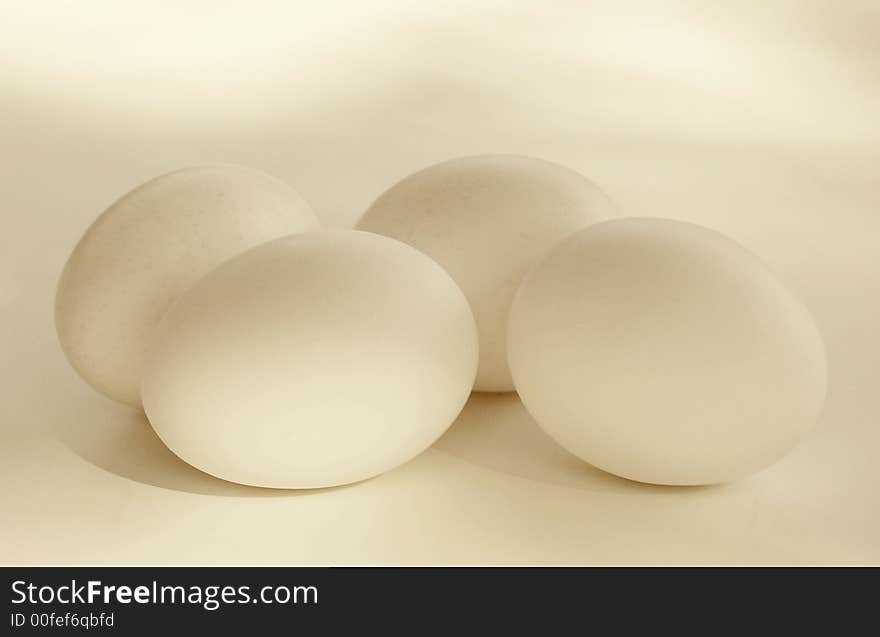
310	361
664	352
487	220
150	246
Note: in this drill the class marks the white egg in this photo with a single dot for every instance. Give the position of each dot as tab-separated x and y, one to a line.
150	246
666	353
487	220
313	360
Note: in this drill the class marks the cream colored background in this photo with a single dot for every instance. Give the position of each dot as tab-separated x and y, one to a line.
757	118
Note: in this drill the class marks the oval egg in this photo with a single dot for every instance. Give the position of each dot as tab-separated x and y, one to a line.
312	361
487	220
148	248
664	352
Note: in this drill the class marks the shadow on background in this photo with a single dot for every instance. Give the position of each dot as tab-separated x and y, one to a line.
129	448
495	431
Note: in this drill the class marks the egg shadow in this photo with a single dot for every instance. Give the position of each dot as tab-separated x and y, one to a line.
126	445
496	432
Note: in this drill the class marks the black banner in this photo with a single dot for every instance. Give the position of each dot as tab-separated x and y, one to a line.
124	600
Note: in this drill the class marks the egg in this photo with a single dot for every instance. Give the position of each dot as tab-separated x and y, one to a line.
148	248
487	220
666	353
314	360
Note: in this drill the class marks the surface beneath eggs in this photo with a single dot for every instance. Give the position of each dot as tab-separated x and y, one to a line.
668	117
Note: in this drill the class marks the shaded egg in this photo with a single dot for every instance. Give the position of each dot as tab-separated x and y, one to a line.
487	220
148	248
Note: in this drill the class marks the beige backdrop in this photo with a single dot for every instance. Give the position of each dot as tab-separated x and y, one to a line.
759	119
